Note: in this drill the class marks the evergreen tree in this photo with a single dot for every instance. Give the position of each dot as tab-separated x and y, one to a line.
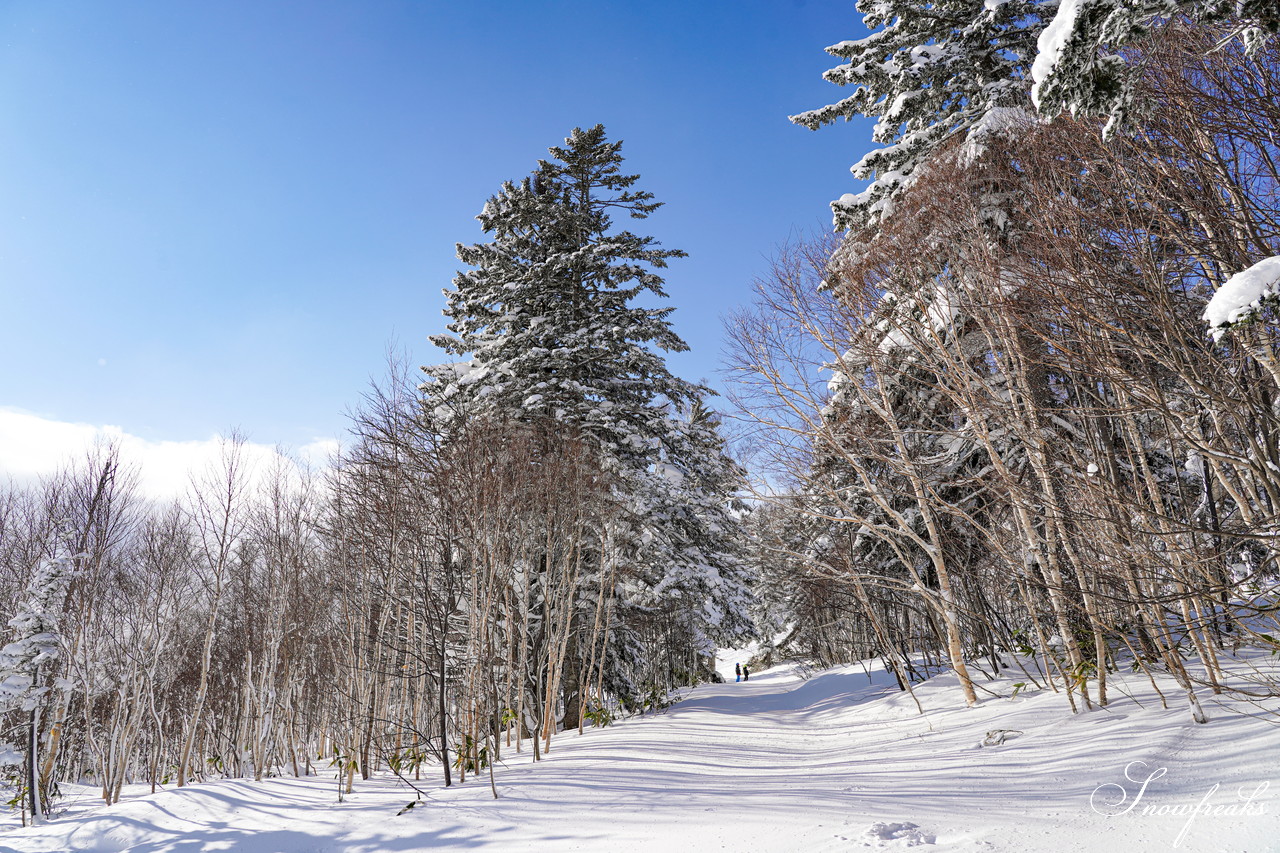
1079	68
932	70
929	70
26	662
699	561
547	311
558	348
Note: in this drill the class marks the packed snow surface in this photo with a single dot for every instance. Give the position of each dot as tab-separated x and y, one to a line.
839	760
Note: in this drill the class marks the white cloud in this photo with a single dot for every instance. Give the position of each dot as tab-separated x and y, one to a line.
32	446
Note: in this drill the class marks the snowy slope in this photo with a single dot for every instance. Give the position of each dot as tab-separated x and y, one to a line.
835	762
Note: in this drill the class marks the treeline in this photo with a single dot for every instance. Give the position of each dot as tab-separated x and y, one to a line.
539	538
1031	442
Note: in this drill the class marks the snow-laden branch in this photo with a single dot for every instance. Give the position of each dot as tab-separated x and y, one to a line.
1243	296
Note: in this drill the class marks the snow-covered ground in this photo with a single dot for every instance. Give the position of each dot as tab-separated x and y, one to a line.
838	761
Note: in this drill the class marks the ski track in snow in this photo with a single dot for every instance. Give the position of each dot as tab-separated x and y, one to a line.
840	761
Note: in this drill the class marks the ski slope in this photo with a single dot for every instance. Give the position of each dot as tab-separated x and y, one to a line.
837	761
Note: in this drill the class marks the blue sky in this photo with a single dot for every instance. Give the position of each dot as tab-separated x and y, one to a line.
218	215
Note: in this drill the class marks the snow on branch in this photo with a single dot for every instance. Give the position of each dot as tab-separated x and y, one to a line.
1242	296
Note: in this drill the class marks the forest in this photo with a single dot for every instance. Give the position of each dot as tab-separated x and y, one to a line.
1019	410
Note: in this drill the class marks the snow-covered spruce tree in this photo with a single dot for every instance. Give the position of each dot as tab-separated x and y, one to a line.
1080	68
546	312
930	69
27	662
697	582
561	354
935	69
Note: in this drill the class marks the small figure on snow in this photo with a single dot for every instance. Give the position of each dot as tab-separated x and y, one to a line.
737	672
746	674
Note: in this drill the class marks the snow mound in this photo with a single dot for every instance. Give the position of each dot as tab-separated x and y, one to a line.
997	737
898	835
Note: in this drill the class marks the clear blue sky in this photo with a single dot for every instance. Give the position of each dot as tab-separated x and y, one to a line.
219	214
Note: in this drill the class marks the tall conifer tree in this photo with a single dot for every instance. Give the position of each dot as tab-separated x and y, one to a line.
559	347
547	311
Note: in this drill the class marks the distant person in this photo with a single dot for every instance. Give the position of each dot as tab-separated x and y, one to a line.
737	672
746	674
